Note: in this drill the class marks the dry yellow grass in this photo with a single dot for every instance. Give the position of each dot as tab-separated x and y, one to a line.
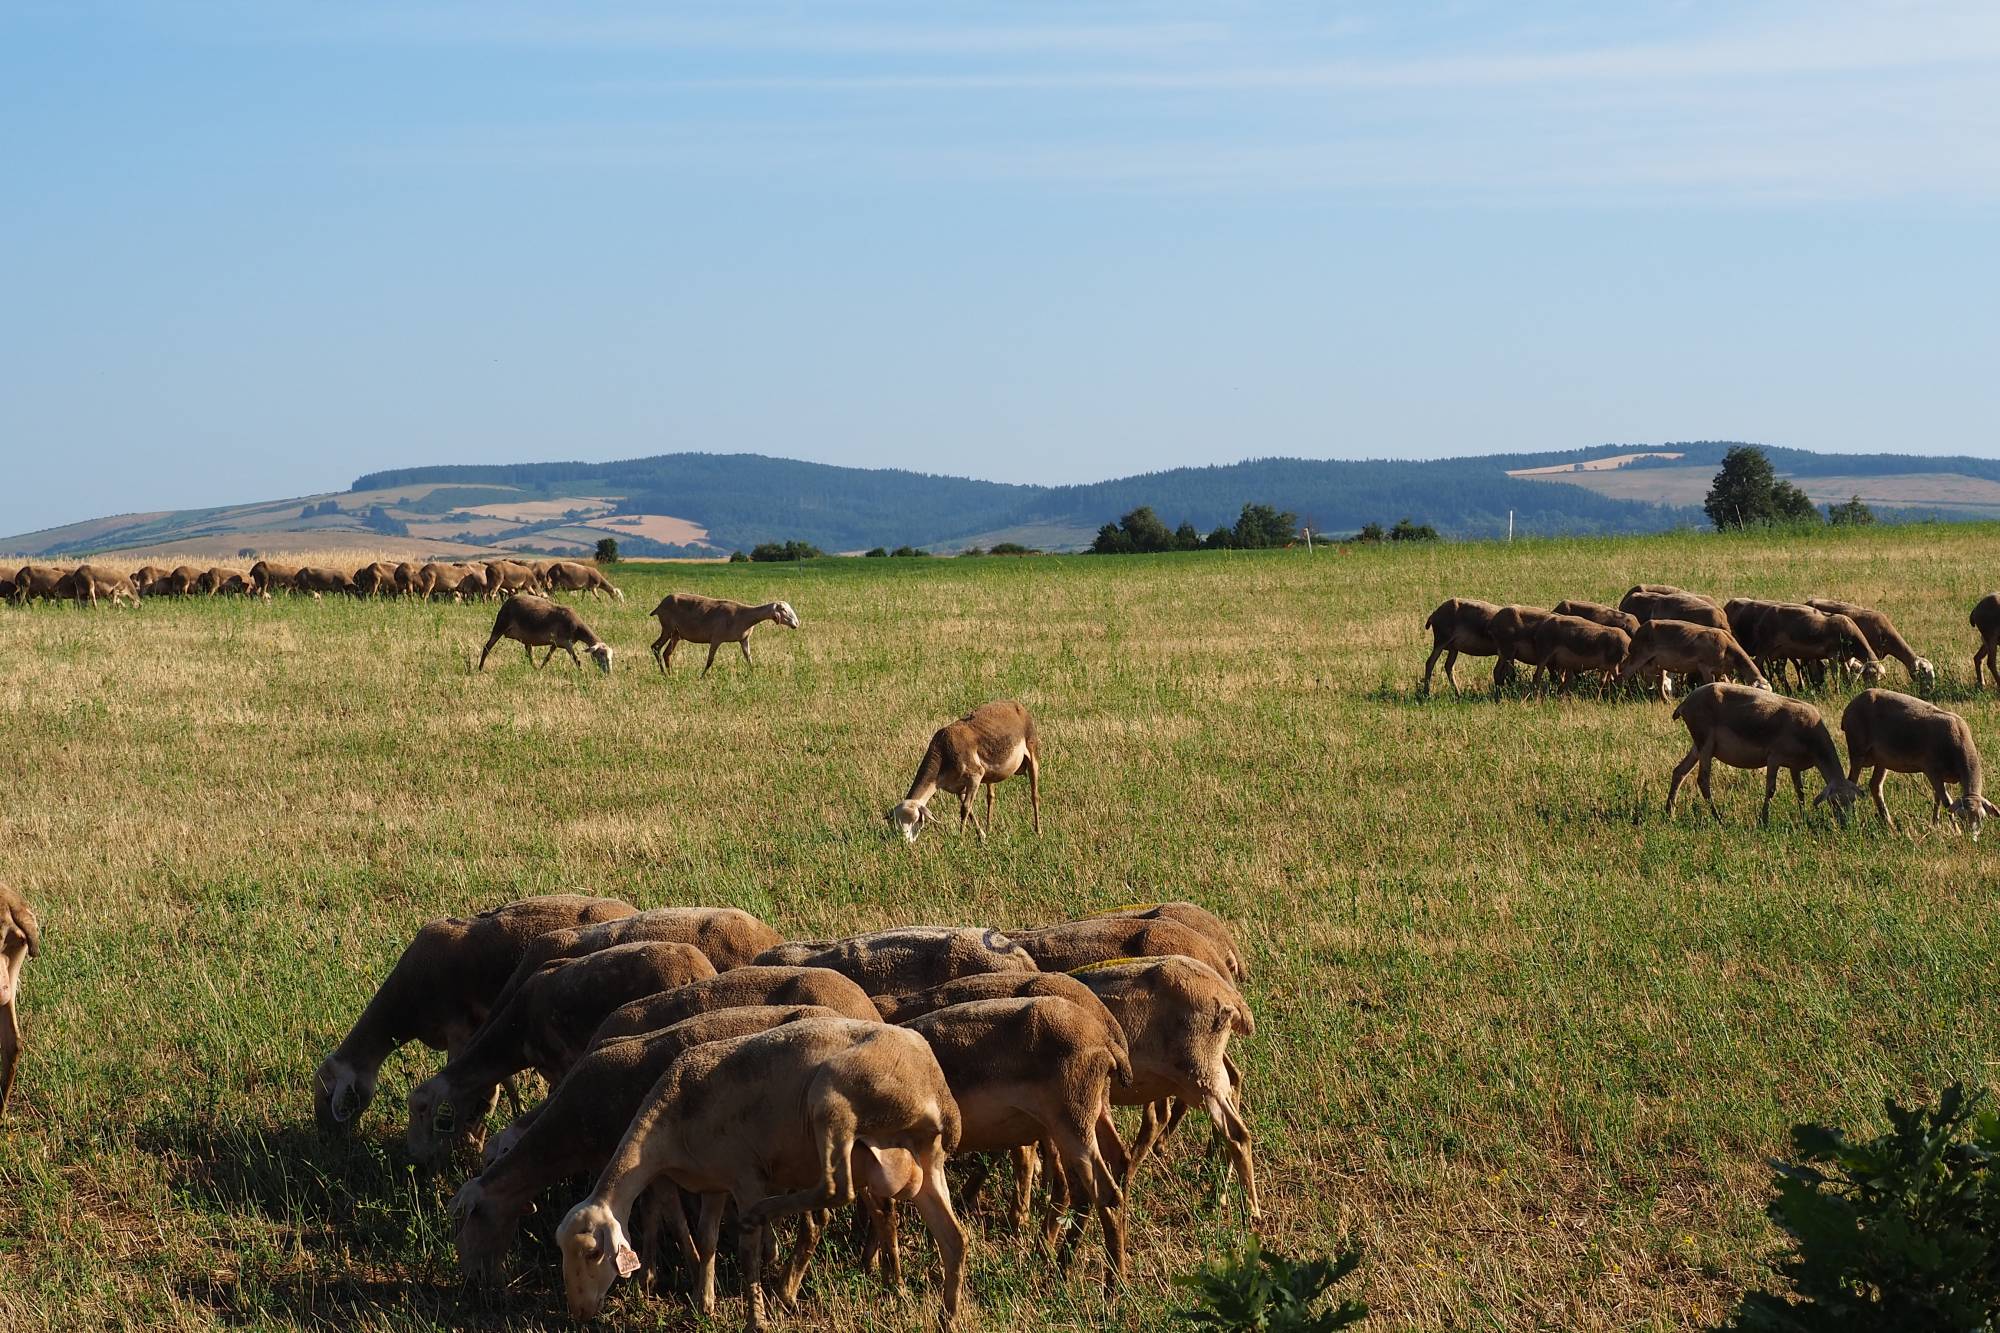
1523	1037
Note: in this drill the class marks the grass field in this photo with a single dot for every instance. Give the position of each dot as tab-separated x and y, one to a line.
1526	1039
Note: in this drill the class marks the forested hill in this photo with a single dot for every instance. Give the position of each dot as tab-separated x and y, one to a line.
746	498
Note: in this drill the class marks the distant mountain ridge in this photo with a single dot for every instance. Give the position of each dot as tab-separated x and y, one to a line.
710	504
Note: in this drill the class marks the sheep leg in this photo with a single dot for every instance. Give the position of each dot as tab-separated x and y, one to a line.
744	644
1034	767
1149	1135
1450	661
569	648
1940	798
1799	788
1701	780
1770	790
989	804
750	1257
711	658
1091	1186
1025	1170
975	1180
654	649
934	1206
1232	1126
1875	789
489	648
1424	690
706	1243
1110	1148
10	1046
1681	770
530	652
793	1275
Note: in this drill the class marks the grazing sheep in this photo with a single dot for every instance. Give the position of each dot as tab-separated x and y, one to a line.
1698	652
220	582
1178	1015
544	1025
440	992
376	579
87	583
504	578
1460	625
406	577
1811	639
741	987
1882	637
1513	631
1036	1069
1068	945
536	622
1568	646
685	617
145	576
20	940
37	581
726	936
1692	607
265	576
317	579
998	986
984	748
1986	619
1195	917
7	589
1599	614
1746	727
906	958
573	576
778	1121
575	1129
1896	733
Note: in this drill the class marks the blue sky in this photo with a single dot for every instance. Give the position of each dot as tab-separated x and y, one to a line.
254	249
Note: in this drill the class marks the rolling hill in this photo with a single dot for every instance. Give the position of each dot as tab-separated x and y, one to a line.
696	505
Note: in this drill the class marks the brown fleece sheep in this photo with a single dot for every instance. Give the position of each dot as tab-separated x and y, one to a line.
1194	917
1883	638
1895	733
982	749
740	987
1068	945
1699	652
906	958
1691	607
1746	727
440	992
685	617
537	622
572	576
20	940
1569	646
1460	626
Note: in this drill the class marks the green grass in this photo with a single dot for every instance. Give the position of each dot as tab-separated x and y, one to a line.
1523	1037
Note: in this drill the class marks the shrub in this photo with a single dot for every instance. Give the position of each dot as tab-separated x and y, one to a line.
903	551
1371	532
1262	1292
1900	1231
792	550
1012	548
972	550
1406	531
1854	513
738	558
607	551
874	553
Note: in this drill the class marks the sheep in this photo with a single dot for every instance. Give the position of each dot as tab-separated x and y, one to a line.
437	580
506	577
316	579
1882	638
1460	625
1178	1015
755	985
87	583
779	1121
20	940
37	581
1666	590
145	576
575	1129
1513	631
376	579
1810	638
7	589
184	581
406	577
440	992
1599	613
726	937
1896	733
1026	1070
1195	917
987	746
1677	648
1568	646
1648	606
1072	944
544	1025
573	576
683	616
1746	727
535	622
265	576
1986	619
886	962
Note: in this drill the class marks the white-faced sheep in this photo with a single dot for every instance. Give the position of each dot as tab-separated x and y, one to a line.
982	749
575	1129
1698	652
545	1025
1895	733
20	940
1746	727
907	958
687	618
537	622
440	992
1882	636
781	1122
573	576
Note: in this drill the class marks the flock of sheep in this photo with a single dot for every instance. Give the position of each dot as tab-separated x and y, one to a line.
1736	649
695	1058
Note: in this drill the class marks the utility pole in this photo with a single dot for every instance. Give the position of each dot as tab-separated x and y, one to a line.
1510	525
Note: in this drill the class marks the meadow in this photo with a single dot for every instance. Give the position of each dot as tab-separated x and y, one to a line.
1522	1037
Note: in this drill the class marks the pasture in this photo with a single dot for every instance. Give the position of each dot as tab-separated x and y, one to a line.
1521	1036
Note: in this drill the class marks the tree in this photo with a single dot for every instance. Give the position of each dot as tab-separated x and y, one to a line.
1371	533
738	558
1261	526
1012	548
607	551
1222	539
906	551
874	553
1139	531
1855	513
791	550
1186	538
1406	531
1747	491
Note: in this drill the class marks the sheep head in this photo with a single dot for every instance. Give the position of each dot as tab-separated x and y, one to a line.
433	1119
500	1145
340	1094
1924	671
595	1254
785	615
600	653
480	1232
1838	795
907	817
1968	810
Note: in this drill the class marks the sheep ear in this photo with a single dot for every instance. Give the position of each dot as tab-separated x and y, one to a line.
628	1262
1988	806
